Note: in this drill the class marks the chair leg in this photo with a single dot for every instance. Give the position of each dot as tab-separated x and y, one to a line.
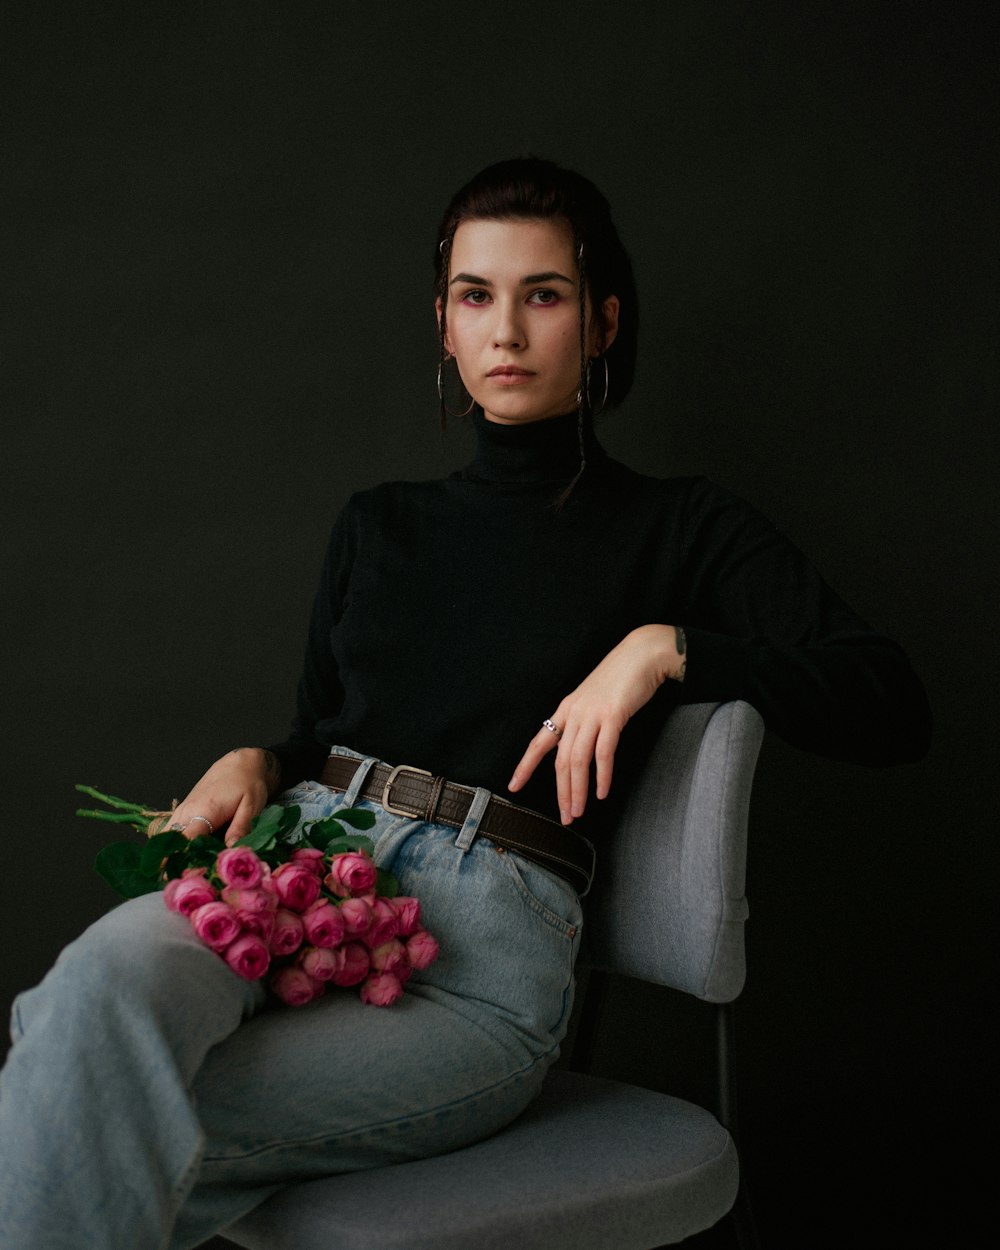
742	1220
585	1042
741	1216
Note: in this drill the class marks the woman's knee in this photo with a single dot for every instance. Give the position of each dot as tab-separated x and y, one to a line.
137	959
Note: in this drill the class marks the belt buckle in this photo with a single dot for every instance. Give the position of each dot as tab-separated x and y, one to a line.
401	768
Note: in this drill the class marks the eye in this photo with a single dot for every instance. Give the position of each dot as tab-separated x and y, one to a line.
475	296
544	296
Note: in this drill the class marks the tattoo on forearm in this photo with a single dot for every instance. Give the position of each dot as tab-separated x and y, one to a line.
681	651
272	767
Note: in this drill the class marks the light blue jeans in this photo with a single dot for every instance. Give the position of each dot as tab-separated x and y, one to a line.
152	1097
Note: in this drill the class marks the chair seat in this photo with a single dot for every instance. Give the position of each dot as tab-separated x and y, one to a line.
592	1163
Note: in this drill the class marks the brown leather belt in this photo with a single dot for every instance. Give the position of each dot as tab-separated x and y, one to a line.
416	793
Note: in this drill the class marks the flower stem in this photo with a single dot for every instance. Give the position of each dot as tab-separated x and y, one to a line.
110	799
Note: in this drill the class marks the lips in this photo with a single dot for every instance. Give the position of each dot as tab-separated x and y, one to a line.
509	371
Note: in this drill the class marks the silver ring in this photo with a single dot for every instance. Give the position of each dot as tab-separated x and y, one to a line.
204	820
552	727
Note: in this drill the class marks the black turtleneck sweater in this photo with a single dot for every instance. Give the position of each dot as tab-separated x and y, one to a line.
453	616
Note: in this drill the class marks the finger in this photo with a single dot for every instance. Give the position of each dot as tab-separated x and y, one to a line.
242	819
190	818
541	744
604	758
564	773
581	755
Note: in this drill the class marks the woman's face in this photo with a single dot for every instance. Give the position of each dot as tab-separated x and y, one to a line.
513	322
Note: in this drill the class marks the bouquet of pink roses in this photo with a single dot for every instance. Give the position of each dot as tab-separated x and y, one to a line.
301	903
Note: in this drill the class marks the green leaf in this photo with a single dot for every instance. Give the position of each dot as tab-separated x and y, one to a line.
357	817
386	884
269	825
158	848
119	865
320	833
334	845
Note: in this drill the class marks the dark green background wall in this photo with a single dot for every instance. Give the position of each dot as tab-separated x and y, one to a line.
218	323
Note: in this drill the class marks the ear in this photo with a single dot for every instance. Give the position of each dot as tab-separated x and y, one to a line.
447	336
609	323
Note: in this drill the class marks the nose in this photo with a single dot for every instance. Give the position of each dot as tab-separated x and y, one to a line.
508	331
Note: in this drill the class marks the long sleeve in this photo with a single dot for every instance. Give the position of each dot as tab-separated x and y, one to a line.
320	691
763	626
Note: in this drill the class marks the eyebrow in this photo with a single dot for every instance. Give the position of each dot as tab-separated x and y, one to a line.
529	280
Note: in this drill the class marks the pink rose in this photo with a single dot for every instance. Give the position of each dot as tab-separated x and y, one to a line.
295	987
322	963
259	922
248	957
408	911
384	925
357	916
309	857
355	966
239	866
381	989
251	900
352	872
421	949
297	887
288	932
186	894
391	956
324	925
216	924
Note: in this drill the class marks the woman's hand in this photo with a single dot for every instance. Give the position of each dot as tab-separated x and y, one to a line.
233	790
592	718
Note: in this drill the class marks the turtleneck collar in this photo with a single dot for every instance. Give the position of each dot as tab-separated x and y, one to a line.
535	451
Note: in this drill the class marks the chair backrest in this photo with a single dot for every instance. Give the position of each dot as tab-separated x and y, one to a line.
669	904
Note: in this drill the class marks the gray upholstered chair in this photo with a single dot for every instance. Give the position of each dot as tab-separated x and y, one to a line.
593	1164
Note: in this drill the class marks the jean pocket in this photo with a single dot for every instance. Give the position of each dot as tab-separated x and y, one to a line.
303	792
545	892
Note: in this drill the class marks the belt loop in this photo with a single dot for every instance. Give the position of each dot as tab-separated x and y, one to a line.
471	827
353	791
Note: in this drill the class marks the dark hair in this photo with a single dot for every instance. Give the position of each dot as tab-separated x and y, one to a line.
533	188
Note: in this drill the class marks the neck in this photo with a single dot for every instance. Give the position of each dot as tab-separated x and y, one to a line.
535	451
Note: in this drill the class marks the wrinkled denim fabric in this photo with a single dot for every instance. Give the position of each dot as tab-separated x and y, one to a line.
152	1097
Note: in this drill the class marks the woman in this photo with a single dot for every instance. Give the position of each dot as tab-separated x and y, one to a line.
490	656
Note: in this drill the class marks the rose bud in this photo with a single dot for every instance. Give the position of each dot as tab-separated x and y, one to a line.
297	887
309	857
216	924
248	957
295	987
355	966
357	916
240	867
381	989
324	925
384	925
255	900
391	956
321	963
421	949
288	934
259	922
350	873
187	894
408	911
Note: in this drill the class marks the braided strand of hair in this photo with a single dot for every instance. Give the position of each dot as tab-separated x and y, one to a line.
445	249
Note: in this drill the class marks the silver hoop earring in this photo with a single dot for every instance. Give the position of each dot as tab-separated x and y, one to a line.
440	389
607	384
